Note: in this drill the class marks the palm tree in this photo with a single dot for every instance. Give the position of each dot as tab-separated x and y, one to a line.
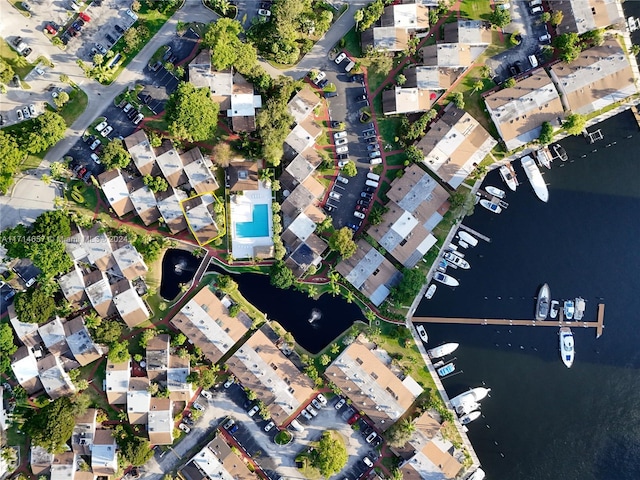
358	16
223	6
335	348
349	296
478	85
334	288
312	291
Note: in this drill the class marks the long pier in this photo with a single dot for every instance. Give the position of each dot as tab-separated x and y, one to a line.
475	234
598	324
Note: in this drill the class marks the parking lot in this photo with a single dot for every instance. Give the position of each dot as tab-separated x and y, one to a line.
531	29
345	107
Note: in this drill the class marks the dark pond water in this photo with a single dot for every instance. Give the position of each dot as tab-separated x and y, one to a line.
330	315
178	267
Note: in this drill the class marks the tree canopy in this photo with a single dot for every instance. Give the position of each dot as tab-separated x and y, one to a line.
330	456
7	346
34	306
350	169
370	15
10	157
51	426
227	50
155	184
191	113
281	275
342	242
500	18
400	433
409	286
569	46
107	332
546	133
274	121
114	155
575	123
135	450
46	130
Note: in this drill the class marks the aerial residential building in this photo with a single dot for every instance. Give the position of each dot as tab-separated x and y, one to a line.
128	303
116	190
39	460
261	367
55	380
303	104
397	23
138	400
169	204
26	332
369	272
25	368
201	216
244	103
374	385
519	112
580	16
242	176
405	100
99	292
53	336
170	163
198	171
130	262
454	145
63	466
206	322
84	431
117	382
599	77
144	202
216	461
160	421
82	346
143	156
167	370
303	135
104	457
464	42
72	286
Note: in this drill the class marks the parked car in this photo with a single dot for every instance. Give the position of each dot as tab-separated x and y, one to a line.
51	29
264	13
138	119
306	414
343	162
537	10
197	406
374	154
80	173
373	146
369	133
341	57
26	52
132	113
127	107
373	139
338	135
342	179
188	421
25	112
206	394
330	94
20	116
26	6
363	202
341	141
101	126
32	110
375	161
342	401
371	437
360	98
230	381
269	426
101	49
352	226
533	61
362	208
228	424
84	17
95	158
359	214
17	41
319	77
316	404
343	156
96	143
504	6
323	401
366	195
110	39
312	410
234	428
367	462
546	38
354	418
131	14
343	149
323	83
334	124
254	410
106	131
358	77
329	208
184	428
335	195
118	28
265	5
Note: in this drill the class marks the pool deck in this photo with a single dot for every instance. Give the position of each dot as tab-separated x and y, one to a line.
241	211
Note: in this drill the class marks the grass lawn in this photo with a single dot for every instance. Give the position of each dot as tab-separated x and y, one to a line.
473	102
19	64
160	124
397	159
75	106
475	9
388	127
82	195
352	43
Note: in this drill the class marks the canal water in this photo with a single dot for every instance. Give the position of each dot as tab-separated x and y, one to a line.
313	323
178	267
544	421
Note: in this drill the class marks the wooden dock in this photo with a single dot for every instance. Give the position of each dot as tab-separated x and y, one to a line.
598	325
474	233
636	114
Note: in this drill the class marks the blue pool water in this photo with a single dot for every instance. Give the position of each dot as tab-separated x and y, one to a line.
258	227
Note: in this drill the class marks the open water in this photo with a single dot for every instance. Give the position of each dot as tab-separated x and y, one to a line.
544	421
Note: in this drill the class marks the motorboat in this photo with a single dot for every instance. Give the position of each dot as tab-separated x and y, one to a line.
443	350
471	396
508	175
467	237
560	152
466	408
456	260
569	309
477	475
430	291
496	192
542	307
423	333
463	244
580	307
544	157
446	370
567	348
555	308
492	207
535	178
446	279
469	417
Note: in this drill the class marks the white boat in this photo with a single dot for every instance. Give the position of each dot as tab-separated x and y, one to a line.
463	244
477	475
544	157
443	350
466	408
569	309
470	397
446	279
423	333
580	307
492	207
542	307
430	291
631	22
555	308
496	192
567	349
508	175
446	370
469	417
467	237
535	177
456	260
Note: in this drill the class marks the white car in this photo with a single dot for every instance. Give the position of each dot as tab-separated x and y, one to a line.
342	149
342	163
95	158
367	462
269	426
184	428
504	6
342	141
341	57
254	410
264	13
359	215
306	414
127	107
197	406
101	126
206	394
321	399
316	404
138	119
230	381
375	161
101	49
319	77
342	179
95	144
335	195
106	131
312	410
338	135
32	110
341	403
131	14
371	437
545	38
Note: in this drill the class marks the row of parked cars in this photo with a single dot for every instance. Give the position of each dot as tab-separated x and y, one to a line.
26	112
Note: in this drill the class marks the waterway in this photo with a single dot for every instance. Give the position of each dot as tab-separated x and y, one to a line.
544	421
313	323
178	268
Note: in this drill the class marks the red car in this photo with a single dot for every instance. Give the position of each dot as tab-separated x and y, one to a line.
354	418
81	172
51	29
84	17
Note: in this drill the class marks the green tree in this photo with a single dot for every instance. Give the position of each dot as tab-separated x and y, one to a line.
556	18
325	359
222	154
335	348
227	50
132	40
330	456
500	18
350	169
191	113
119	351
341	241
635	50
509	83
7	346
409	286
478	85
50	257
400	433
234	310
358	16
155	184
208	378
370	15
568	44
593	37
575	123
146	336
10	157
401	79
59	170
6	71
135	450
274	122
377	211
414	154
458	99
107	332
546	133
46	130
52	225
114	155
51	426
34	306
226	283
281	275
545	17
61	99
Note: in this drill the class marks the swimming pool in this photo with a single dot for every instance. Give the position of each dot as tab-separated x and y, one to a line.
258	227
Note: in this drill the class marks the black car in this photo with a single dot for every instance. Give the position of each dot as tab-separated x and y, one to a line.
89	139
356	78
369	133
132	113
334	124
118	28
372	147
369	189
323	83
361	98
343	156
330	94
366	195
1	120
376	441
26	52
110	39
518	66
364	202
367	431
265	6
80	22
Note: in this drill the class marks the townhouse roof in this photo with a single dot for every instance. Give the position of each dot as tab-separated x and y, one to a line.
169	206
198	173
25	368
369	272
117	381
63	466
128	304
454	145
296	203
138	399
405	100
410	16
53	336
80	342
300	168
26	332
116	190
303	103
55	380
158	352
98	247
520	111
170	163
302	227
139	148
40	460
144	202
392	39
84	431
242	175
104	458
201	218
303	135
580	16
72	285
216	461
433	77
160	421
130	262
99	293
470	32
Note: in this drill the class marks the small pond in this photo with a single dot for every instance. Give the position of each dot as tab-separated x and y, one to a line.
178	267
313	323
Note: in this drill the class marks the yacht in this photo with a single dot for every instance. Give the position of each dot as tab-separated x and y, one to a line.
542	307
492	207
496	192
555	308
423	333
443	350
535	177
468	238
469	417
569	309
508	175
456	260
580	306
465	400
446	279
430	291
567	350
544	157
446	370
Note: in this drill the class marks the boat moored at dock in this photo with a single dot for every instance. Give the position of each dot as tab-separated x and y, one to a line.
446	279
468	238
446	370
423	333
542	306
443	350
555	308
430	291
456	260
580	306
569	309
496	192
508	175
492	207
469	417
567	347
535	178
544	157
